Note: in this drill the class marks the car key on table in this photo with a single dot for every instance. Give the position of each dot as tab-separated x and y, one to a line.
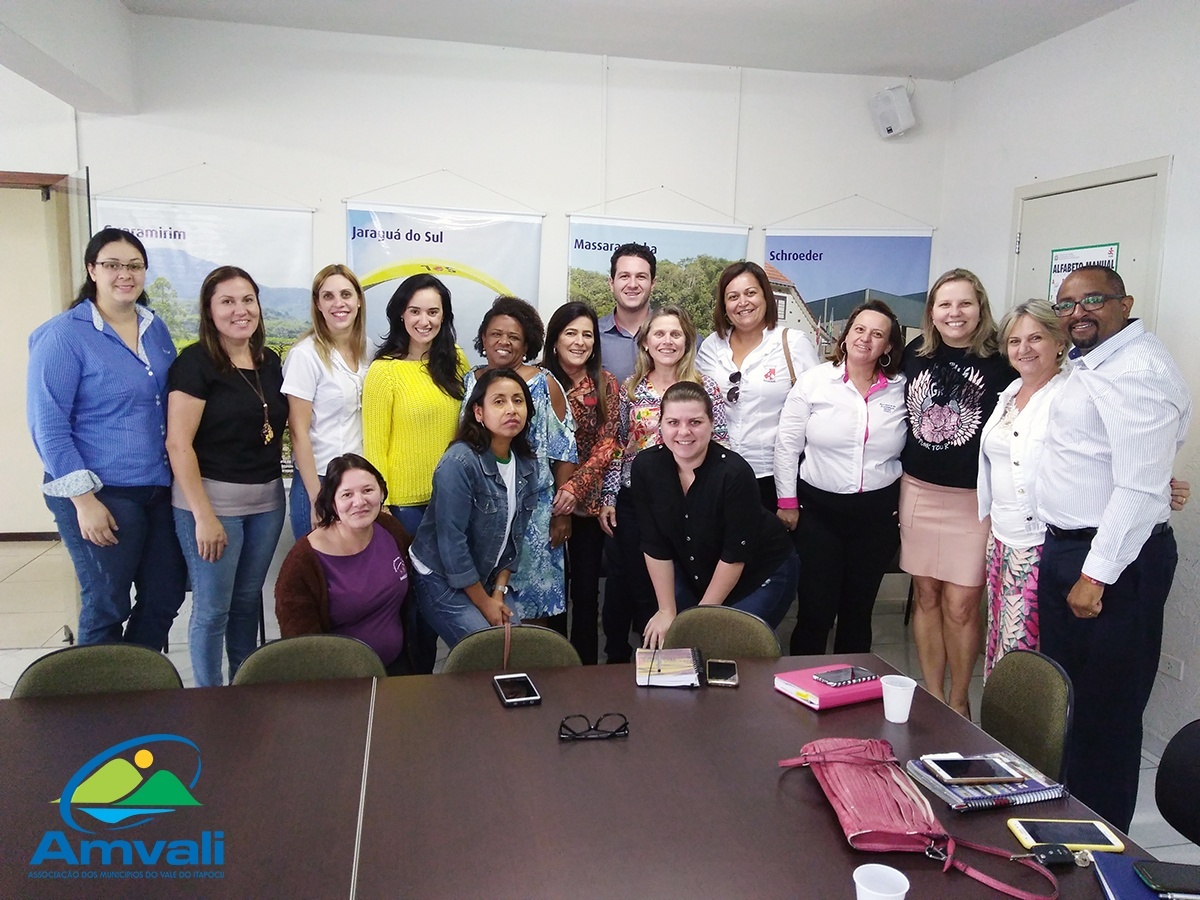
1056	855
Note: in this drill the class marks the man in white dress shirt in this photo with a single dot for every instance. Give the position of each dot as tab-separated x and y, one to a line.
1103	489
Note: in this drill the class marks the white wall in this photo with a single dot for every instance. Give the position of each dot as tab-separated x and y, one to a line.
37	130
1121	89
291	117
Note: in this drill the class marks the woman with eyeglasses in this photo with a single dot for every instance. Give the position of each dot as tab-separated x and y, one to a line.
573	357
756	363
96	404
350	574
705	537
666	354
847	419
225	437
323	381
485	489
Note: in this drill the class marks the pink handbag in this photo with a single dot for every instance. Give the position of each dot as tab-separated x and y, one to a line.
880	809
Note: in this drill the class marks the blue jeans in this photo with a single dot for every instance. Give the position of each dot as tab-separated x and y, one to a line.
409	516
449	610
227	594
423	643
146	557
769	601
300	507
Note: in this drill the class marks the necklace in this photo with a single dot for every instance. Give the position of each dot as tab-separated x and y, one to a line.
268	433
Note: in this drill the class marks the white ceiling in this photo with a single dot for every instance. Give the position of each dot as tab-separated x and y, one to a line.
936	39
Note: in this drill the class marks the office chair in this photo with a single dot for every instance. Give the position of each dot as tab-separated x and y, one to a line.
97	669
309	657
722	632
533	647
1028	703
1177	784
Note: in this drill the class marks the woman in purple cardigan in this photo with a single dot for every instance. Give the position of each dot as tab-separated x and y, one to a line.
349	575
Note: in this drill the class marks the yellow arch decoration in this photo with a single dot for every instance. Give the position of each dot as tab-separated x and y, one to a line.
438	267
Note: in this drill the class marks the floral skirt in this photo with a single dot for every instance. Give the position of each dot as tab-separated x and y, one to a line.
1012	589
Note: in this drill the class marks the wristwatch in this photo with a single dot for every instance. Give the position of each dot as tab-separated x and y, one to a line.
503	589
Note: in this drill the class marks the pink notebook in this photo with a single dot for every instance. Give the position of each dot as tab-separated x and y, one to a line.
800	685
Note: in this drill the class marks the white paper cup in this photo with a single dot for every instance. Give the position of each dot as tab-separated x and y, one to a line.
876	882
897	697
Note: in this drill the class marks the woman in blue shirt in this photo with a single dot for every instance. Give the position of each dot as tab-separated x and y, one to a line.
484	490
97	404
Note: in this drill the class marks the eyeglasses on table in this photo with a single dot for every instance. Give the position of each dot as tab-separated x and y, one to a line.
580	728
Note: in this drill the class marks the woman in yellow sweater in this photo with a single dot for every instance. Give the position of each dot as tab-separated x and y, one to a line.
411	399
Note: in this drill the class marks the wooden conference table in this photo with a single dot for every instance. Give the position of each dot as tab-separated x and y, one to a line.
462	797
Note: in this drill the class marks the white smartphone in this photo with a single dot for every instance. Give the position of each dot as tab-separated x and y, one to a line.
970	769
1076	834
516	690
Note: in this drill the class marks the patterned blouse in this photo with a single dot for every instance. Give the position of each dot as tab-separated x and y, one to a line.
596	439
637	428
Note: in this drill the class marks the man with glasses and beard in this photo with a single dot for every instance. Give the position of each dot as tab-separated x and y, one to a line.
1109	556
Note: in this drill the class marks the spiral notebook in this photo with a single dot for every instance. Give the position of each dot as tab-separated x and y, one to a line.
670	668
961	797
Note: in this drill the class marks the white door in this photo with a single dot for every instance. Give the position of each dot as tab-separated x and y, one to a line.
1089	211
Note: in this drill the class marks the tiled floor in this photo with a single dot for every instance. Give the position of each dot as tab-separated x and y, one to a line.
37	599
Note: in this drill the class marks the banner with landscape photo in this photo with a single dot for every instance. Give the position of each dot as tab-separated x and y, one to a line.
186	241
690	260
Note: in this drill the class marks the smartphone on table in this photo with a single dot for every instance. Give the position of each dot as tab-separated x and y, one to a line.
970	769
1076	834
845	676
516	690
1179	879
721	672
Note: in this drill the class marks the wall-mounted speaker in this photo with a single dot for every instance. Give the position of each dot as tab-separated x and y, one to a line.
892	112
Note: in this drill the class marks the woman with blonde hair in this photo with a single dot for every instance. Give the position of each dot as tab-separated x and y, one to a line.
954	377
666	354
323	381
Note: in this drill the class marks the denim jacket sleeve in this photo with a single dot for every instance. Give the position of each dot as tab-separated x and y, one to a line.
456	489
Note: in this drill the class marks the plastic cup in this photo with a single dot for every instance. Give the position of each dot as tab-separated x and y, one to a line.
897	697
876	882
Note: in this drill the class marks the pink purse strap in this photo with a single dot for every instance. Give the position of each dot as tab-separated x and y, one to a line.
948	861
507	643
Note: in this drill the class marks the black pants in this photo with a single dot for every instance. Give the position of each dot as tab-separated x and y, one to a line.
585	548
629	600
1112	660
845	543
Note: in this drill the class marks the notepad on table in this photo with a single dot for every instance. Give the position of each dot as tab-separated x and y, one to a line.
669	668
961	797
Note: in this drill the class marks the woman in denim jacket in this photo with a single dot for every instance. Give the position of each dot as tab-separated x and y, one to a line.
484	491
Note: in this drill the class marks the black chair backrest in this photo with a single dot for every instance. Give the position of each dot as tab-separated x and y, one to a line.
1177	785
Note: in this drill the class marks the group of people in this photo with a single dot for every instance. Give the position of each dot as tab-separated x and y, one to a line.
432	499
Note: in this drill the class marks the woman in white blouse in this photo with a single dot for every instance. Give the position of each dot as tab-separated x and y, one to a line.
755	363
848	418
323	381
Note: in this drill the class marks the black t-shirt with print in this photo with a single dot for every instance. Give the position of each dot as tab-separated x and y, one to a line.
949	397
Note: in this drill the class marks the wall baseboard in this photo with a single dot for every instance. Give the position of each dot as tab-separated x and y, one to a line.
29	536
